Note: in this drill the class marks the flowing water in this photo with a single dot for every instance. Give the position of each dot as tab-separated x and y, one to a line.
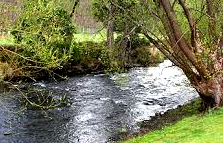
102	106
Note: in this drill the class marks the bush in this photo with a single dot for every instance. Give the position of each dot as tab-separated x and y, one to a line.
135	41
139	52
147	55
96	57
93	56
46	32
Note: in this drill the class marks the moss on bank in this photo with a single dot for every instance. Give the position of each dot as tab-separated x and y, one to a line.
207	128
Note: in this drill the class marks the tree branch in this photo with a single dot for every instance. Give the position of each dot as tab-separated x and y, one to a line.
74	7
191	22
212	20
184	47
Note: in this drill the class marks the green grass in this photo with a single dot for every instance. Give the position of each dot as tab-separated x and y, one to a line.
195	129
97	38
6	42
90	37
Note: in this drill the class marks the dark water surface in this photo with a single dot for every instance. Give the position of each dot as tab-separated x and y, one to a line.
102	107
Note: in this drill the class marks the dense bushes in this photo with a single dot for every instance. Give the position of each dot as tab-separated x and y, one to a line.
93	56
43	36
45	31
97	57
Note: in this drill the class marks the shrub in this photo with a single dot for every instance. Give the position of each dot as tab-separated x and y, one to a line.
147	55
93	56
46	32
139	52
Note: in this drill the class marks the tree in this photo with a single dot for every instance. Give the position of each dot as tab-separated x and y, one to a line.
9	10
74	7
120	18
110	26
114	16
104	11
45	30
183	37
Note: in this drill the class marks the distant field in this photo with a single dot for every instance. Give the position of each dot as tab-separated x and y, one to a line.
90	37
6	40
98	37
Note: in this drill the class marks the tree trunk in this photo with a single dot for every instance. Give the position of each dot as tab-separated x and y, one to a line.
211	92
110	28
74	7
209	84
212	20
124	45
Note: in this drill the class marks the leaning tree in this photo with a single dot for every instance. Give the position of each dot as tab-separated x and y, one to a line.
190	35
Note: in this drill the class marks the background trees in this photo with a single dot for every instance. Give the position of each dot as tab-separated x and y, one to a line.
123	24
115	16
9	10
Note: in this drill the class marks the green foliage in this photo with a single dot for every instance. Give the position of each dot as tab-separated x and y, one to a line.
141	53
98	57
124	13
127	25
46	32
135	41
92	56
146	55
115	61
100	10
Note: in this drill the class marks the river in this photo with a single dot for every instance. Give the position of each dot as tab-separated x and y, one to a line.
101	108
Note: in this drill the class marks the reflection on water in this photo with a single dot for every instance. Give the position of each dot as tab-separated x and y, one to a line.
102	106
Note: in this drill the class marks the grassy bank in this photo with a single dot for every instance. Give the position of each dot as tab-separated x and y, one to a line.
198	128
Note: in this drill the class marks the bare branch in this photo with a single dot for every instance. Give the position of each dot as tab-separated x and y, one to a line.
191	22
74	7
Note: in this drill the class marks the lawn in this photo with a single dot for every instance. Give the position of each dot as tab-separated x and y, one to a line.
6	40
195	129
97	38
78	37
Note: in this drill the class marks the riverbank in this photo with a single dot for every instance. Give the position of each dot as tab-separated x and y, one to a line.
18	62
170	117
193	128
